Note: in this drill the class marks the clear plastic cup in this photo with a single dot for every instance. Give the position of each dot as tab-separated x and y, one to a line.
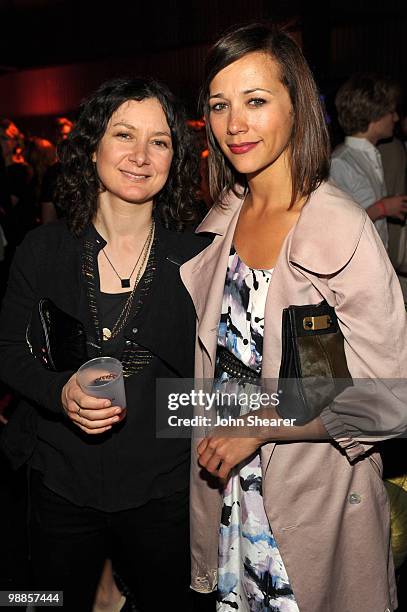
103	377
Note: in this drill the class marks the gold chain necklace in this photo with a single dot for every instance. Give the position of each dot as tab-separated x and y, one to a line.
108	334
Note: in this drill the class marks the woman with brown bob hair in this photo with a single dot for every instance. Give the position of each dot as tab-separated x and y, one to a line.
280	511
309	139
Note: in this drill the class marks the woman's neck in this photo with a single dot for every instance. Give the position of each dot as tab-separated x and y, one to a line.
271	188
121	222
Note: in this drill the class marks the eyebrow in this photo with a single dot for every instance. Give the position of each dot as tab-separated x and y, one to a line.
162	134
127	125
246	91
131	127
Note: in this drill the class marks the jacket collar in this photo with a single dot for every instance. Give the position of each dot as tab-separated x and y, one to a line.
325	236
90	233
219	217
322	242
361	144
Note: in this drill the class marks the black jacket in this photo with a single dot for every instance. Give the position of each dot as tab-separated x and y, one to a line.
128	465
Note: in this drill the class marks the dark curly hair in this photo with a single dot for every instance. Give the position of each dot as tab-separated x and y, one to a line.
78	185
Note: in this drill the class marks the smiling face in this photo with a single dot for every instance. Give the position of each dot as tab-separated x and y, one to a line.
133	158
250	114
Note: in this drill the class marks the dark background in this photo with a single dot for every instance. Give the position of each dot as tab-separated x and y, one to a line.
55	52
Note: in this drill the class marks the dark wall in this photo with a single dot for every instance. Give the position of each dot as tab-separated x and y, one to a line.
337	37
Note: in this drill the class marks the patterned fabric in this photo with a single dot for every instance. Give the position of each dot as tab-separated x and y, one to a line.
252	576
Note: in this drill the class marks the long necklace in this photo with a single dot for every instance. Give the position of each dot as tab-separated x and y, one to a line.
126	281
107	333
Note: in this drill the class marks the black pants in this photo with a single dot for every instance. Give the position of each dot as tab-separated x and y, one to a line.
149	548
14	570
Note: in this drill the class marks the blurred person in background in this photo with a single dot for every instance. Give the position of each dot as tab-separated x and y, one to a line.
198	127
22	214
40	153
12	141
394	159
50	211
366	107
5	205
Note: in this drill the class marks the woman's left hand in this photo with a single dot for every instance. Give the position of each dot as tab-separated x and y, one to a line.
219	455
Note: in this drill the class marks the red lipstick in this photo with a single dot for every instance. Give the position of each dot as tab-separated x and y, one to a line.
242	147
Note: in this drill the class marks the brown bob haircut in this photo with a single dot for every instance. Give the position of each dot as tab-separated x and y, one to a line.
364	98
309	144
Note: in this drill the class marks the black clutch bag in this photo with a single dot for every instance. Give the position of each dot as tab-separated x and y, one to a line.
63	338
313	367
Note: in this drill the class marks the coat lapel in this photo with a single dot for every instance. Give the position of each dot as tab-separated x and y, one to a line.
300	256
322	223
204	275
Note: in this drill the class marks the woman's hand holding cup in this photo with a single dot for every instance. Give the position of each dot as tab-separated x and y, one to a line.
92	414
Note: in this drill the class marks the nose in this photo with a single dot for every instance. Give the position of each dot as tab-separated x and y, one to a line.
139	154
236	122
395	116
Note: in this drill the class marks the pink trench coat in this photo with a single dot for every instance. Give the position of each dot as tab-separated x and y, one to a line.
335	544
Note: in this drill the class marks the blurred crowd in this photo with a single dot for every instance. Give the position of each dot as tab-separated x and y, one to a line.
28	170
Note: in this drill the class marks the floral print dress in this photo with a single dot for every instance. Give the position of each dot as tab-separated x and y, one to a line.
252	576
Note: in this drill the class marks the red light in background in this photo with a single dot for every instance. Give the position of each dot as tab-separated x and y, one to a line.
196	124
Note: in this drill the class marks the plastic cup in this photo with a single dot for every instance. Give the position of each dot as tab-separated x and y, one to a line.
103	377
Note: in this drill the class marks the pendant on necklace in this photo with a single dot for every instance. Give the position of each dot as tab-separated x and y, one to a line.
125	283
107	334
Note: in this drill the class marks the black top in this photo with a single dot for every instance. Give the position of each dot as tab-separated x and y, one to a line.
128	465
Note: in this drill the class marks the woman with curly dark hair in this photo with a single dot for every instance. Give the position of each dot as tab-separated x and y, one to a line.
103	485
79	186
